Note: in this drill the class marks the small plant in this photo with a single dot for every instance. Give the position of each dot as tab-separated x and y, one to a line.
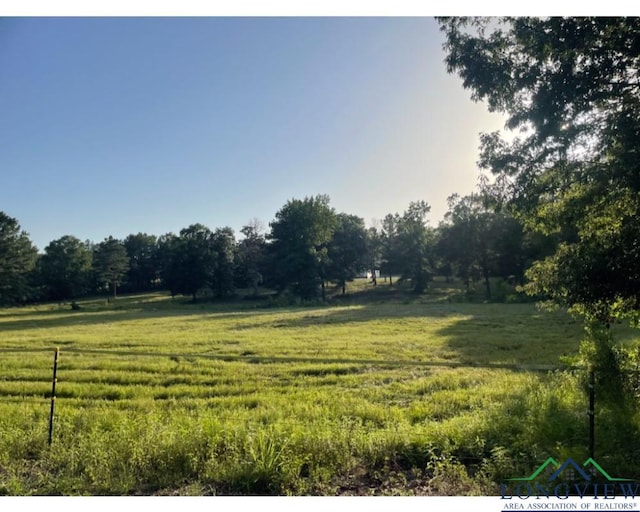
267	462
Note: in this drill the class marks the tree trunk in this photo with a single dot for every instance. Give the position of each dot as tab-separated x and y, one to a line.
114	286
344	287
324	298
487	283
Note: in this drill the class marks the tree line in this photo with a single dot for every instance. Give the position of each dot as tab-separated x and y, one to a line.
308	246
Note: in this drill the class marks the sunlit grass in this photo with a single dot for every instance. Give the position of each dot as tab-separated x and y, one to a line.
154	415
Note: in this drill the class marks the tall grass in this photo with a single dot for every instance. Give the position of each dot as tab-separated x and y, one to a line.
161	419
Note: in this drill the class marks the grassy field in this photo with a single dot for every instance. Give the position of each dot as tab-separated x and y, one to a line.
159	396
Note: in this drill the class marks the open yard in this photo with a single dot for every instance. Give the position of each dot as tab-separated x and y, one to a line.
158	396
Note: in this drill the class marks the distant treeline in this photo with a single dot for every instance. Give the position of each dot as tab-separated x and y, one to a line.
307	246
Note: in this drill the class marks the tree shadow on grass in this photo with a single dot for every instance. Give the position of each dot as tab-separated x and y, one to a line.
474	333
123	309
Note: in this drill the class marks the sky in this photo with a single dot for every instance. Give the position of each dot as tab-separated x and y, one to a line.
113	125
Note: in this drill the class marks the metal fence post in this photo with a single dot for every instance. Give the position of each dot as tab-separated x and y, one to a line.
53	393
592	415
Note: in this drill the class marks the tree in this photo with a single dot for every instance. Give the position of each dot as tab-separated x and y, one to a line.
299	236
65	268
111	263
389	246
347	249
456	243
251	256
415	245
193	260
407	245
143	268
17	261
166	262
571	87
511	247
223	245
480	242
374	252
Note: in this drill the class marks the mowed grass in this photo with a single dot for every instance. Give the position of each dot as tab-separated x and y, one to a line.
159	396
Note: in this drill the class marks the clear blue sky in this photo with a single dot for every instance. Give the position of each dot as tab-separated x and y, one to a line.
112	126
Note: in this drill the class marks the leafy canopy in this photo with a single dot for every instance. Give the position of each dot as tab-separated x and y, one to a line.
570	89
111	263
17	260
65	268
300	235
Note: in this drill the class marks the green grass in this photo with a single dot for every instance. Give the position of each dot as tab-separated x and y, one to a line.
160	411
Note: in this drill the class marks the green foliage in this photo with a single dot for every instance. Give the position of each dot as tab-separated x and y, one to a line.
316	247
299	237
465	239
251	257
65	268
17	261
111	263
143	263
169	270
408	246
480	242
416	242
569	84
347	250
223	243
191	260
374	252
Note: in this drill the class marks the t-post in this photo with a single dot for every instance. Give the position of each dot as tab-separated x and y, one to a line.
53	393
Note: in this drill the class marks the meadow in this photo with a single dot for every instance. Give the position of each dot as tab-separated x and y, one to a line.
160	396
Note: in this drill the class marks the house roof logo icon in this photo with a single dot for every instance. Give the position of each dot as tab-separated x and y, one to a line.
578	472
572	465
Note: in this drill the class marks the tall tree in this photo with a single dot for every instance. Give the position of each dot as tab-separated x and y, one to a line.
415	245
480	242
111	263
407	244
390	246
571	88
166	262
65	268
374	252
300	236
347	250
455	246
143	269
193	260
251	256
223	244
17	261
